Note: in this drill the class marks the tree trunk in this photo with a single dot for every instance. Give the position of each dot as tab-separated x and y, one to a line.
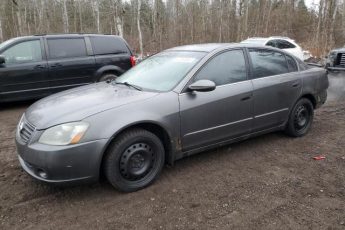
1	33
80	18
97	16
139	29
65	18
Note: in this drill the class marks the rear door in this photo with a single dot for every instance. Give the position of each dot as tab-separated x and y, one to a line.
70	63
24	75
224	113
277	85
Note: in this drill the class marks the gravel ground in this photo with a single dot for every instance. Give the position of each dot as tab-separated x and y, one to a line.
269	182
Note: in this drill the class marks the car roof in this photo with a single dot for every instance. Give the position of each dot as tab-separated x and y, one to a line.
59	36
209	47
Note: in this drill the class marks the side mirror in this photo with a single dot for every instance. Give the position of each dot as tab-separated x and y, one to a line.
2	60
202	86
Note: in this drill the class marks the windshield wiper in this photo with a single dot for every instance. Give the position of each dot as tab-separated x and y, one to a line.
129	85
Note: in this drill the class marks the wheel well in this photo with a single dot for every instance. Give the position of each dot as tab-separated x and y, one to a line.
153	128
110	72
311	98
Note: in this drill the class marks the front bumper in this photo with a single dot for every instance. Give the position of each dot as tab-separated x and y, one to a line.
61	164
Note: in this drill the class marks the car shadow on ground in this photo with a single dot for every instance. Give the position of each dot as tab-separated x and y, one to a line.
16	105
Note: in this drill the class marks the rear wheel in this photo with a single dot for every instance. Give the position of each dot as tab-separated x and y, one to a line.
108	77
300	119
134	160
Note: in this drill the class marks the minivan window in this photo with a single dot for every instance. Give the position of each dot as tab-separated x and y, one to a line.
24	52
163	71
66	48
267	63
108	45
225	68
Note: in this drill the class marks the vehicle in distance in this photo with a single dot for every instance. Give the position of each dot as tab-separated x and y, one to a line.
336	59
284	43
36	66
178	102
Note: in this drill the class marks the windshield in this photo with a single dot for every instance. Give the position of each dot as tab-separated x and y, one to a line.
5	43
161	72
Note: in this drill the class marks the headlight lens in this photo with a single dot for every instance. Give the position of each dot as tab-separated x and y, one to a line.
65	134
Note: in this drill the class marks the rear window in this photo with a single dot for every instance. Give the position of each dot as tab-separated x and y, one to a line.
108	45
292	64
66	48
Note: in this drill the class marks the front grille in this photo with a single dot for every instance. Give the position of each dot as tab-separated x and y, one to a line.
340	60
26	130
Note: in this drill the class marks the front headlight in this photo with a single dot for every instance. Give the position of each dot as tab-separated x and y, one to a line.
332	55
65	134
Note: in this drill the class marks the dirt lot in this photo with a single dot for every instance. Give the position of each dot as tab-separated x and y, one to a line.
270	182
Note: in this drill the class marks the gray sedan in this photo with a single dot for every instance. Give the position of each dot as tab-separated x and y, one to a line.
176	103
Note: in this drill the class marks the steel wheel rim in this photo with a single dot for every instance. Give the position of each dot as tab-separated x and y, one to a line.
137	161
301	118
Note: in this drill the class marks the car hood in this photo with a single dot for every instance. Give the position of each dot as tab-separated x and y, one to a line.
79	103
338	50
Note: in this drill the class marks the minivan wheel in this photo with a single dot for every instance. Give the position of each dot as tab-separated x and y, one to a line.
134	160
301	118
108	77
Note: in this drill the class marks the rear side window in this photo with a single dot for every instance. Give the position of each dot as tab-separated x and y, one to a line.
108	45
66	48
225	68
267	63
292	64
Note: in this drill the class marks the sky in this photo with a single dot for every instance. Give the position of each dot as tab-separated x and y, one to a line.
312	3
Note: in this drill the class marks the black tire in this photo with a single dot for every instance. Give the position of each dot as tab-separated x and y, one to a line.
300	119
134	160
108	77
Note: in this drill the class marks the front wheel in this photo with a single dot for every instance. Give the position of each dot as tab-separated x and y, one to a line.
134	160
300	119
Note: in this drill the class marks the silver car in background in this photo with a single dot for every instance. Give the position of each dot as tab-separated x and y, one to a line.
176	103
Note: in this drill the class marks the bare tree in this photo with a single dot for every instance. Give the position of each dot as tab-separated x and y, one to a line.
65	18
139	29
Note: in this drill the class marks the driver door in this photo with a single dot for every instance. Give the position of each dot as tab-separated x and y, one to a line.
23	75
224	113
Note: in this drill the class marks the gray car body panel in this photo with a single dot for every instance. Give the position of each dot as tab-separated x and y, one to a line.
239	110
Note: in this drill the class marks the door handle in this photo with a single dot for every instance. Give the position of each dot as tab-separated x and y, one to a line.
55	65
246	98
39	67
295	84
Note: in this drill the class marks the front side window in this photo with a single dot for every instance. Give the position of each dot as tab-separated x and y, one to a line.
271	43
24	52
66	48
163	71
267	63
225	68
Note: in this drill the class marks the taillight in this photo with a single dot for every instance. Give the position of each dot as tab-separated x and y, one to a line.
133	60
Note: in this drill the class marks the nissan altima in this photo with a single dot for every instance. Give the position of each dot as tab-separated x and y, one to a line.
176	103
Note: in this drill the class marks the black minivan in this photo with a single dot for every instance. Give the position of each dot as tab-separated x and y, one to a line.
36	66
